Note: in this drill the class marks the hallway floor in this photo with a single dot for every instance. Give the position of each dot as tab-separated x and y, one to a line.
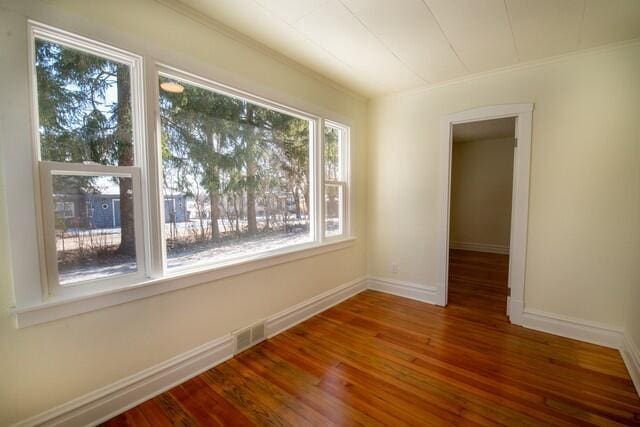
478	282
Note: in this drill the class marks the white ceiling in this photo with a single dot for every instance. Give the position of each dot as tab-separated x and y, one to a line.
377	47
485	129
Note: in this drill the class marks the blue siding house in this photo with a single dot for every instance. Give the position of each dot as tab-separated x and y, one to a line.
103	210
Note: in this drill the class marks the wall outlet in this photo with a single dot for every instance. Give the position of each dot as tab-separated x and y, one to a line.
394	267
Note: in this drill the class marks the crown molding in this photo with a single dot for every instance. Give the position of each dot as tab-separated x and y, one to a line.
515	67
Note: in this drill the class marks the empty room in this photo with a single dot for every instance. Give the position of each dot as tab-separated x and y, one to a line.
319	212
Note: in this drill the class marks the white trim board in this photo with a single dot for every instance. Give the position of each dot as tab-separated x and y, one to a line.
100	405
61	308
423	293
520	199
290	317
480	247
631	355
577	329
107	402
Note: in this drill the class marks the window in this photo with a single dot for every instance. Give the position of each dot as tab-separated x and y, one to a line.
335	179
90	210
244	170
232	177
64	209
87	152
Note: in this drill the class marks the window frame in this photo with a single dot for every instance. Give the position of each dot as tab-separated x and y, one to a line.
315	167
89	210
64	209
47	171
43	169
344	183
35	302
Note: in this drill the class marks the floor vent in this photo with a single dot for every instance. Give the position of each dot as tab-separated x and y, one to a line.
257	333
249	337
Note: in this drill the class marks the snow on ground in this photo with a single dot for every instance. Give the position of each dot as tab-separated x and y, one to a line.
83	273
236	249
192	257
111	236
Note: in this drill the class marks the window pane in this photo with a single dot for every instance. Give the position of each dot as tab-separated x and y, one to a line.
95	237
334	203
332	148
84	107
236	176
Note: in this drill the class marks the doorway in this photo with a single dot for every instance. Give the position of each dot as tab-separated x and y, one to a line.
497	264
482	157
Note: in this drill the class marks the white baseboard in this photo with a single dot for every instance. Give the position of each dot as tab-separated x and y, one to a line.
102	404
568	327
631	356
105	403
299	313
480	247
109	401
411	290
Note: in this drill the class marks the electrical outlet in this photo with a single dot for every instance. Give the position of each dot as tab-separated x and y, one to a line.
394	267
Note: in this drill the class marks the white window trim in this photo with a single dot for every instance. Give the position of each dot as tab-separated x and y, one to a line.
35	304
50	284
344	182
315	164
47	170
342	210
58	308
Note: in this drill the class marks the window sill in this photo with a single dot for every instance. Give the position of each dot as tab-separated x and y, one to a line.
58	308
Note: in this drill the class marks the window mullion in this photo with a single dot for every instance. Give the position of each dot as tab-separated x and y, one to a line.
319	181
154	213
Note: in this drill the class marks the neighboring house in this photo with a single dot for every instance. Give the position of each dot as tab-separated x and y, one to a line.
102	211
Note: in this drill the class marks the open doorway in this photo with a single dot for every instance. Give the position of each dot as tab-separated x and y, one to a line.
522	115
482	156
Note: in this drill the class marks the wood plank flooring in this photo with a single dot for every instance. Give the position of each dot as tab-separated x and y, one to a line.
378	359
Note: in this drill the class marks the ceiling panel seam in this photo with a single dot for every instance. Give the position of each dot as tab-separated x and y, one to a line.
580	30
303	35
513	36
387	47
435	18
307	14
515	67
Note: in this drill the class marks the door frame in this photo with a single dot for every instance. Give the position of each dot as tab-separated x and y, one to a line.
519	203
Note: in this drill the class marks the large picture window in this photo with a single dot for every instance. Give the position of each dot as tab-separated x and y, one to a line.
226	178
239	171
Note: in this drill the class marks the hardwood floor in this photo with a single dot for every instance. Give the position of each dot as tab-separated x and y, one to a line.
478	282
378	359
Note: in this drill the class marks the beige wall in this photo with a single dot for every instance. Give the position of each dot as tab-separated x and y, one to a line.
48	364
481	183
583	229
584	210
